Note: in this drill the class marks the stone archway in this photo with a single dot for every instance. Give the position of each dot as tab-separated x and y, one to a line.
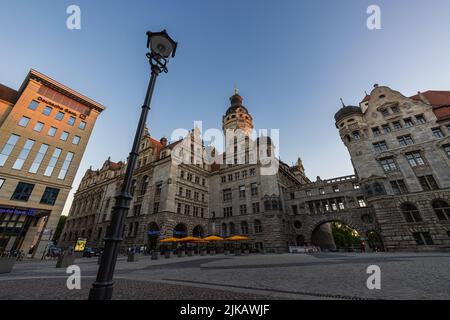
180	230
300	240
153	233
336	234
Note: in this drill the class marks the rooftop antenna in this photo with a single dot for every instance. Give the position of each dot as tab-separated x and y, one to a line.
343	104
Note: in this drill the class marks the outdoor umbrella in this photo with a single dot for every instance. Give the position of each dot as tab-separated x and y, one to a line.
238	238
213	238
168	240
188	239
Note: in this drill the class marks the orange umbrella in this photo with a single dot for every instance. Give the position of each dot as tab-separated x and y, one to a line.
213	238
170	239
237	238
188	239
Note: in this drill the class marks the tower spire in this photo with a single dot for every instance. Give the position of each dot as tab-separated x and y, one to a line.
236	90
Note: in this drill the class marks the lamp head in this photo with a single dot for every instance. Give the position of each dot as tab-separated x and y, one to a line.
161	44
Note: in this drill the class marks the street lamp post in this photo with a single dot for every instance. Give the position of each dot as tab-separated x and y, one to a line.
161	48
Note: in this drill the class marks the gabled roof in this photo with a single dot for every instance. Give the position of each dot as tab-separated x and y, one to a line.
8	94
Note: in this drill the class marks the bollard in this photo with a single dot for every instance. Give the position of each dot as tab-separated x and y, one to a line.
155	255
167	254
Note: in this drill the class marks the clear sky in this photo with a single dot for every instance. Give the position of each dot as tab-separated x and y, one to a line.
291	60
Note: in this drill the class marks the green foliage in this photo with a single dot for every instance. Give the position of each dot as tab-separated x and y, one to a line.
59	228
344	236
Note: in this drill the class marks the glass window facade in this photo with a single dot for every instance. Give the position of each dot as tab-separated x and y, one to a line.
8	148
52	131
38	126
76	140
23	155
51	165
38	159
23	122
33	105
50	195
23	191
47	111
59	116
71	121
64	136
66	165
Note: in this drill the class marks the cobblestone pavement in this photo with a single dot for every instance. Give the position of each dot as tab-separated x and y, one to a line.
273	276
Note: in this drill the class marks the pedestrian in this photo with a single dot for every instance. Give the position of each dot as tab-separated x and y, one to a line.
363	248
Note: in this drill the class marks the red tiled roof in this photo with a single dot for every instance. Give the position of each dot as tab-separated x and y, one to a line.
436	98
366	98
158	143
174	144
8	94
115	165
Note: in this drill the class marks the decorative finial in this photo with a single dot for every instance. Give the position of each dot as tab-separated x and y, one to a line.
236	91
343	104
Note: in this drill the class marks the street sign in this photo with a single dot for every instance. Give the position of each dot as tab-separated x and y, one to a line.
80	245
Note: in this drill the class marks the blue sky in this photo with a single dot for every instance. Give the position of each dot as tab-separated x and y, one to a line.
291	60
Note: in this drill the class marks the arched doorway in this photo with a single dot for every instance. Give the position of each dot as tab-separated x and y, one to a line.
300	240
198	231
153	235
336	236
180	230
375	241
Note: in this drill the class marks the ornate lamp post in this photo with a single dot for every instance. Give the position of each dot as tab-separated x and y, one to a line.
161	48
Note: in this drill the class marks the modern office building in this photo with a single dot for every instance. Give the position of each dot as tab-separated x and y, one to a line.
44	129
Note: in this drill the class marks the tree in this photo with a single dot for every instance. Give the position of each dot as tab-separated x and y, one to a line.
59	228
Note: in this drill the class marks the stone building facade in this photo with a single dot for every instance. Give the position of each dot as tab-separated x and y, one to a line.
175	197
399	148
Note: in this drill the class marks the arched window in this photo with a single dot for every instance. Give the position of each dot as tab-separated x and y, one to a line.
244	227
267	205
224	229
133	187
441	209
144	185
136	226
232	228
356	135
258	226
130	229
274	204
410	212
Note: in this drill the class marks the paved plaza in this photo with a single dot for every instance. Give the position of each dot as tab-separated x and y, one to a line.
272	276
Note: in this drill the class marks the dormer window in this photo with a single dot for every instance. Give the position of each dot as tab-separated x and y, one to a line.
382	96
